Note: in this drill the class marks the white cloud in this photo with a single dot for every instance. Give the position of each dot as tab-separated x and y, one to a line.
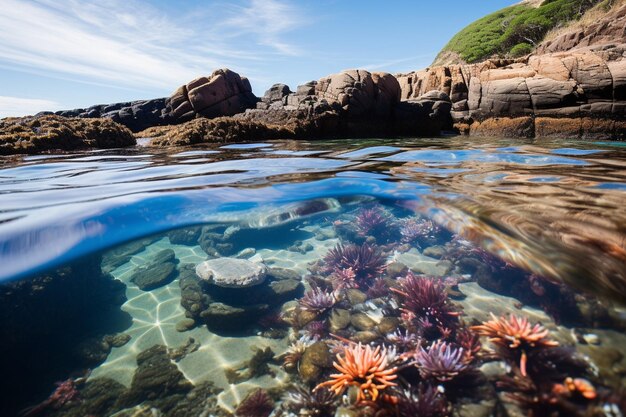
131	43
17	106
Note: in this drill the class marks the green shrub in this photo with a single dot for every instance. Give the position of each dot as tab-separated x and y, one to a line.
521	49
514	27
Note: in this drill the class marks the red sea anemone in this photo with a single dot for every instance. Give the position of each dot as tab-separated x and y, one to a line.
256	404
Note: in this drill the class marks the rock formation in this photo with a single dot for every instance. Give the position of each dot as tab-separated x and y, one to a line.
567	94
223	93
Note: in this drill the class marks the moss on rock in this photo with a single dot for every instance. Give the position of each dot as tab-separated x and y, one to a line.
40	134
221	129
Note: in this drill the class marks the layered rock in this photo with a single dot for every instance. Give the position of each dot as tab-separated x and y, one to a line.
536	95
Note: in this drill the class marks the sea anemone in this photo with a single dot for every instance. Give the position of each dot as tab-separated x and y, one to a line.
363	367
316	329
256	404
412	229
470	342
344	278
516	335
425	302
441	361
320	402
366	261
378	289
294	352
374	222
425	401
317	300
406	340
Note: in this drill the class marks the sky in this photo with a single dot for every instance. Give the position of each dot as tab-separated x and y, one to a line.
75	53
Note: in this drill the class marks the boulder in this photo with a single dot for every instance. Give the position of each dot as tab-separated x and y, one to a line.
156	273
361	93
223	93
232	272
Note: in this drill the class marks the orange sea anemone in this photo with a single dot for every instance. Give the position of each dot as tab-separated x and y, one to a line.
363	367
515	333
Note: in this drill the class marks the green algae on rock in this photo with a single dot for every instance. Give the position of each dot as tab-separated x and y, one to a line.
38	134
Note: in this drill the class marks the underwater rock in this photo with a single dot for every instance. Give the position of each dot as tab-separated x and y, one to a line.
156	273
355	296
362	322
388	325
339	319
121	255
284	290
188	236
283	273
224	316
190	346
185	325
315	359
365	336
232	272
434	251
200	401
192	298
396	269
139	411
98	398
156	377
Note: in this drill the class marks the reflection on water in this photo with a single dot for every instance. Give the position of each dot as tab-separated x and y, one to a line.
185	280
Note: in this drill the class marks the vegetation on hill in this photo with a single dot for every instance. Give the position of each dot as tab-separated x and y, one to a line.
514	31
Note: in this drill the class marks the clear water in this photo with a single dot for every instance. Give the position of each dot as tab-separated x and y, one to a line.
98	255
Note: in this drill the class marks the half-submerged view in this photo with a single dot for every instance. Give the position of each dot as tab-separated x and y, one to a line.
438	242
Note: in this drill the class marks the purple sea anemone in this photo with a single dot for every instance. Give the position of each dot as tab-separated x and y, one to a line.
378	288
425	304
317	300
425	401
344	278
256	404
316	330
374	222
366	261
441	361
404	340
412	229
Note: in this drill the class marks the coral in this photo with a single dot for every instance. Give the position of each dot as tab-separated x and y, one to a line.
363	367
320	402
317	300
256	404
515	334
425	303
425	401
441	361
366	261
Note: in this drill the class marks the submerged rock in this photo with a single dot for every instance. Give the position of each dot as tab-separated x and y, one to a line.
156	378
158	272
232	272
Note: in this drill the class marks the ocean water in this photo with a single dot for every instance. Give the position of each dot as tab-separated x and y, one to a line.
430	277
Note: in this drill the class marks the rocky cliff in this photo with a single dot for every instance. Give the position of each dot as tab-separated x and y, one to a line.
574	87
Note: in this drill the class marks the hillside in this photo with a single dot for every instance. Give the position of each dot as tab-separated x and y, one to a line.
517	30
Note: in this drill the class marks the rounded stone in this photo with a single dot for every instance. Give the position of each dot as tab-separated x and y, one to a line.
232	272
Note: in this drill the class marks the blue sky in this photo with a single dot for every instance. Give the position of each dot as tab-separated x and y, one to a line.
75	53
